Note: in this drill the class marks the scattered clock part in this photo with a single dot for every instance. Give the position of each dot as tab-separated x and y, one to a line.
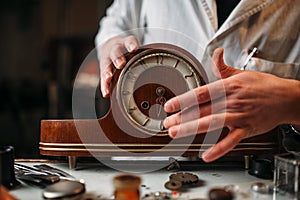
174	164
181	179
173	185
261	187
64	189
157	196
220	194
127	187
261	168
184	177
286	174
235	189
232	188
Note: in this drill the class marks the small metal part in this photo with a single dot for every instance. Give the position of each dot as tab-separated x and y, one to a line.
72	162
160	91
286	173
28	169
261	168
63	189
127	187
7	175
41	175
173	185
232	188
251	54
247	161
32	181
220	194
145	105
174	164
184	178
260	187
46	178
157	196
52	170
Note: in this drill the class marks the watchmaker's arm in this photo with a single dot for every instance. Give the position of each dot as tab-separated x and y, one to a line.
253	103
118	34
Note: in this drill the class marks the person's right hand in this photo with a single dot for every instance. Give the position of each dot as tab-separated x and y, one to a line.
112	56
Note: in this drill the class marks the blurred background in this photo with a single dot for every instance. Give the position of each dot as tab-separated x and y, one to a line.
42	45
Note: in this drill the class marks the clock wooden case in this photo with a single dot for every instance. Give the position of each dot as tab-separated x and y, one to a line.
133	125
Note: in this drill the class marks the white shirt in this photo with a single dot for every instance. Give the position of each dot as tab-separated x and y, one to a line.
272	26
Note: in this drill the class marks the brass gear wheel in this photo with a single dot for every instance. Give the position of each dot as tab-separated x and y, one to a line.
184	178
173	185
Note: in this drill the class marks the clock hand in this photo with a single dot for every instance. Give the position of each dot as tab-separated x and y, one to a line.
161	100
160	91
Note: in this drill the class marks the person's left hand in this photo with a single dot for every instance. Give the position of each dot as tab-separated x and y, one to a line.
252	103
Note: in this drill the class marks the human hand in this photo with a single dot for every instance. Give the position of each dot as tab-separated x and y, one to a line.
253	103
112	56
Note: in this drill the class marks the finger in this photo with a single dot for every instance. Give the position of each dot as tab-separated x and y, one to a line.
224	146
202	125
117	56
219	67
196	96
106	70
195	112
131	43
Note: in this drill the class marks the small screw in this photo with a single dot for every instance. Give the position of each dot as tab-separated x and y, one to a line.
174	164
160	91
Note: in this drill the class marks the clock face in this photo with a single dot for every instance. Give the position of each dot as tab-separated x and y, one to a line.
149	79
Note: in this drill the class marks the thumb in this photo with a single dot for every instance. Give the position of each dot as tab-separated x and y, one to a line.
220	69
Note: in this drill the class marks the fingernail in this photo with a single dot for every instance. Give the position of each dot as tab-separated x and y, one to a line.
118	62
131	47
173	132
168	107
206	154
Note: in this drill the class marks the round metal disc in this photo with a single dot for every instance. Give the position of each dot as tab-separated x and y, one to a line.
173	185
63	188
260	187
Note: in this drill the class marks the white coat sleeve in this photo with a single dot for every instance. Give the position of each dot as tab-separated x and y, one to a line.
122	19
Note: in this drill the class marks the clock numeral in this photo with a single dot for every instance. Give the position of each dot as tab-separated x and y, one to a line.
126	92
146	121
175	65
160	59
143	63
130	110
189	75
131	76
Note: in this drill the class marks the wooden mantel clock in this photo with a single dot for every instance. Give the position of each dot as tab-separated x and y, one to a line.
133	125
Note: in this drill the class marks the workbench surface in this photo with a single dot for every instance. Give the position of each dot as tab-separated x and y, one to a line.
98	181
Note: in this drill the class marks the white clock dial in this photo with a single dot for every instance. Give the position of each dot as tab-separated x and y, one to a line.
148	80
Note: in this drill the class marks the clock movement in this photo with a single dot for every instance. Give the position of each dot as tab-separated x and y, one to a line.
133	125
